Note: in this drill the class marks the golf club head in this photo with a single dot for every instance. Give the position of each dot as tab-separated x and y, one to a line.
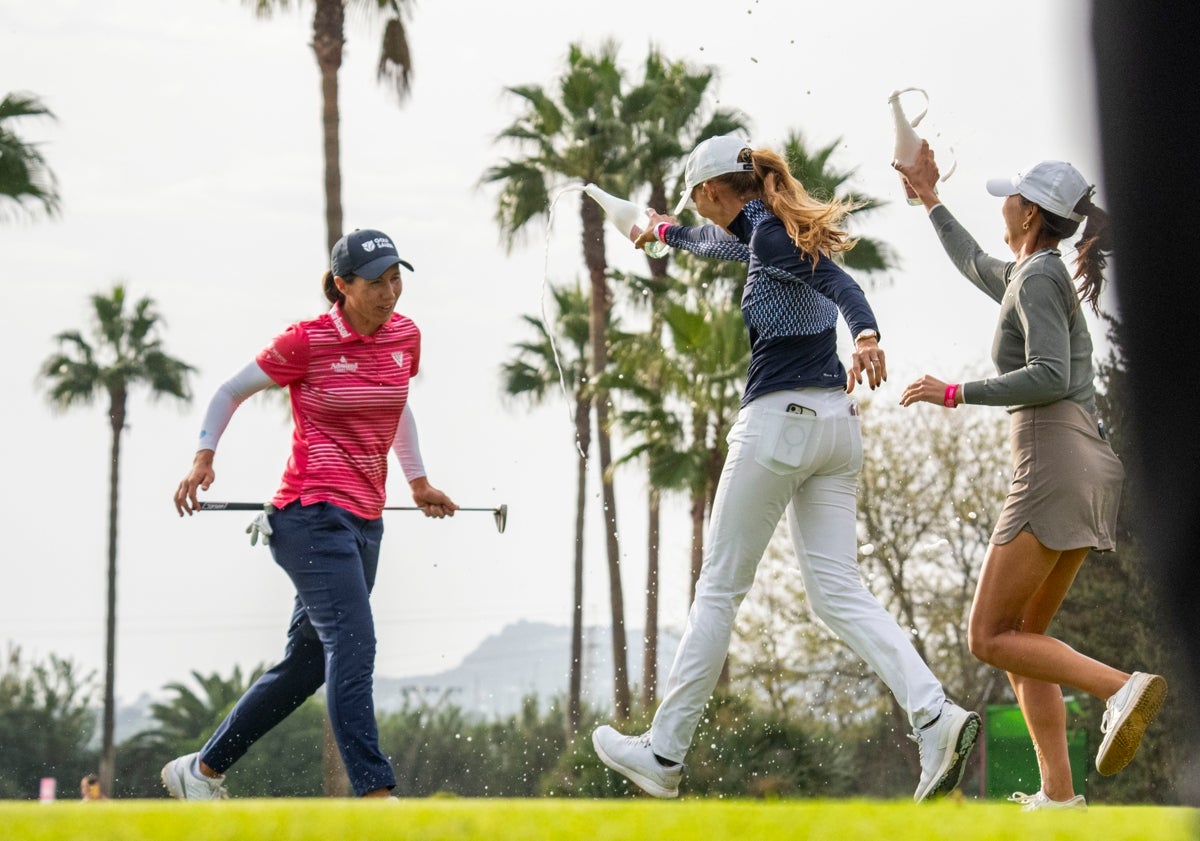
501	516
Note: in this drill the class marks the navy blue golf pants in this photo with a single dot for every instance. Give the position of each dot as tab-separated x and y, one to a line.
331	556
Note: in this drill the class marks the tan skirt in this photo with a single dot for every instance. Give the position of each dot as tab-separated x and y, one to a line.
1066	485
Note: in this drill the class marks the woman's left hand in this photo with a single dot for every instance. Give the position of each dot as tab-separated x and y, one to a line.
868	358
927	389
430	500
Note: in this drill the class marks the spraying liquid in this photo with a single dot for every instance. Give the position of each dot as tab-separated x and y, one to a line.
562	382
908	142
626	216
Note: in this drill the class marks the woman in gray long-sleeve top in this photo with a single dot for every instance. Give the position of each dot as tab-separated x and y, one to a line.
1066	480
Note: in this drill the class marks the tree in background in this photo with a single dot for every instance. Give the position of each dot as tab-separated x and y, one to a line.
24	175
189	716
557	358
670	111
46	723
567	137
814	169
1112	613
125	353
329	39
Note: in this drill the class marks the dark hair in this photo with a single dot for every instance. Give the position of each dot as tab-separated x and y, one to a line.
1092	248
332	293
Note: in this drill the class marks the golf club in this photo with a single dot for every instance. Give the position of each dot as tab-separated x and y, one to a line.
499	514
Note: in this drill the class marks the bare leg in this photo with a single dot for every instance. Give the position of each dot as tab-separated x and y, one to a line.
1021	587
1041	702
1042	705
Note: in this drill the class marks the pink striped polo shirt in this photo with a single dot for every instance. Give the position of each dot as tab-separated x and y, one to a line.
348	391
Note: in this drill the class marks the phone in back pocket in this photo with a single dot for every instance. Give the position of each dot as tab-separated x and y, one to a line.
797	409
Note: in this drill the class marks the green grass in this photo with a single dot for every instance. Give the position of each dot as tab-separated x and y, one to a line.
586	820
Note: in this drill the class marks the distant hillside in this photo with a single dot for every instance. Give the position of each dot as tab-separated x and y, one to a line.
526	658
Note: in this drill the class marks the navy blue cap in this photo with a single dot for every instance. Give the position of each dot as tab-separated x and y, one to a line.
364	253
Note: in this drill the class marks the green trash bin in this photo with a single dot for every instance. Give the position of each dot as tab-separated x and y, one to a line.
1009	761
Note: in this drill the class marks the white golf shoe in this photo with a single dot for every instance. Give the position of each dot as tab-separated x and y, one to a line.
944	747
1126	715
633	758
183	784
1039	801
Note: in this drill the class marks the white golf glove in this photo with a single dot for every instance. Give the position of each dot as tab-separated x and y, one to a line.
261	527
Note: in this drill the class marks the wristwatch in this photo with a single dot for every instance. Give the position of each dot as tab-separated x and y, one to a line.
867	334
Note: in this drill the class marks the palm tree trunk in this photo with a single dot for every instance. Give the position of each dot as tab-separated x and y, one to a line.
621	697
329	37
716	463
650	646
699	506
583	439
658	271
697	513
108	757
593	250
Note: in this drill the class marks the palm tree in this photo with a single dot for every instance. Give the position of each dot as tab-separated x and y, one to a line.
329	37
668	113
394	66
645	375
557	358
710	353
126	353
812	169
186	718
24	175
576	137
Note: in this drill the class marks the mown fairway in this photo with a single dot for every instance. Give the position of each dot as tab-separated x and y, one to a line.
566	820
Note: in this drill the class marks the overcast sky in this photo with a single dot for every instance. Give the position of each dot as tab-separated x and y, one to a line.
188	152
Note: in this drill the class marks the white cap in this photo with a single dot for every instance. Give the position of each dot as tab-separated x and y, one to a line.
1055	186
715	156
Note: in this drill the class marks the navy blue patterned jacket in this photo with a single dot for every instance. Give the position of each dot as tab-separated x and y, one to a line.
790	306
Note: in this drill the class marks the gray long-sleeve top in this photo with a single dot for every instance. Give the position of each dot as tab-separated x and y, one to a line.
1042	349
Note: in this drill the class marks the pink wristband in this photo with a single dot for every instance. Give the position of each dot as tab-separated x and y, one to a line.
950	400
660	232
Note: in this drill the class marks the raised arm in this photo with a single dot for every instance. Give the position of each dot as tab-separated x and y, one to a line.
986	272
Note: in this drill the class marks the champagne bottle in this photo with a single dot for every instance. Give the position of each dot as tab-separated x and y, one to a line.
625	216
908	142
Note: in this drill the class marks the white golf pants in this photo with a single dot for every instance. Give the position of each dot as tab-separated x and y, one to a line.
808	464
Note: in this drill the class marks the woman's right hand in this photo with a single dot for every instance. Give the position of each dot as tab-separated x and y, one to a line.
200	476
641	238
922	175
